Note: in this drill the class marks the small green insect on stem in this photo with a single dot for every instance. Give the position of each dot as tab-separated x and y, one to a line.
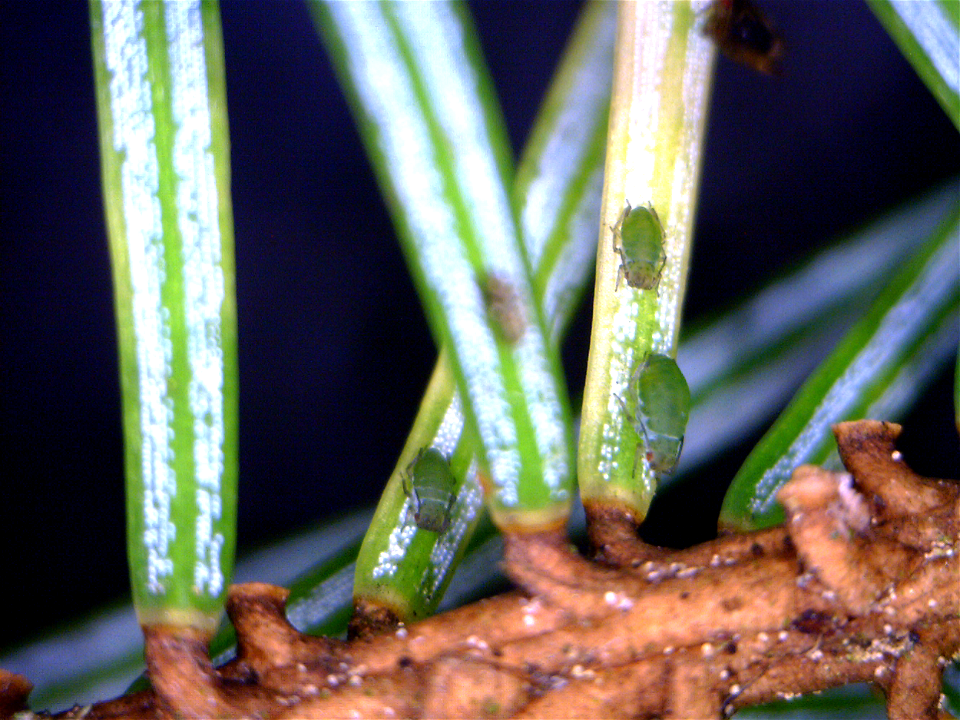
661	399
431	488
662	75
640	248
161	103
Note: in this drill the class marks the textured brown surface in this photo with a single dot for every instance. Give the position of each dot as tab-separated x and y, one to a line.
862	584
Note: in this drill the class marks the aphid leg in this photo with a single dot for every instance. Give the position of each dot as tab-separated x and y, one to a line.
413	508
676	458
406	480
646	444
643	429
619	252
623	405
635	378
615	230
618	225
636	459
407	474
663	264
446	514
453	499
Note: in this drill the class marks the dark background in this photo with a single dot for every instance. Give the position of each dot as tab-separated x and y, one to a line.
334	351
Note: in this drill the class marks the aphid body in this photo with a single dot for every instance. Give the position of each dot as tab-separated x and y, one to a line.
642	256
744	35
430	485
662	399
504	306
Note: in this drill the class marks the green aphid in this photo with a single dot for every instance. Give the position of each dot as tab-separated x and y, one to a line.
662	400
642	256
431	486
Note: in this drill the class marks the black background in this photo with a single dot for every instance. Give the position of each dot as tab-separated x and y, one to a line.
334	351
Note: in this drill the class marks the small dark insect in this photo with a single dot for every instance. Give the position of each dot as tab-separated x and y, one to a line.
504	306
744	35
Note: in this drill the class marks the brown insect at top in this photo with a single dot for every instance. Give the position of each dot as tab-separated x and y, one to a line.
744	35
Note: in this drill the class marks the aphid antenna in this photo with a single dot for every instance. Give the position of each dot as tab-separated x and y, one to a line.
636	460
623	404
663	264
676	459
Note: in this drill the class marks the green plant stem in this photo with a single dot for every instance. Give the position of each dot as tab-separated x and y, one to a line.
163	137
425	105
558	192
928	35
662	78
755	355
900	334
